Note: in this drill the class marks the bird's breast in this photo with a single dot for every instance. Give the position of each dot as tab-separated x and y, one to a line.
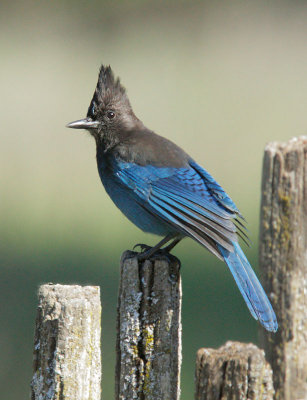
130	204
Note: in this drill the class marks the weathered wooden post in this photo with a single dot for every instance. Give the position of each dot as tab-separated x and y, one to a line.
149	329
234	371
283	262
67	361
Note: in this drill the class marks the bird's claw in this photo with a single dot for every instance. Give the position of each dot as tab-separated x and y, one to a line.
147	253
142	246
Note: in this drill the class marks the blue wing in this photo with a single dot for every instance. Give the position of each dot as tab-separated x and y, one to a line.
191	201
180	198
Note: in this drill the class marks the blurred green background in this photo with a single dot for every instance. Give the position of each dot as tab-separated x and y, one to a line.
220	78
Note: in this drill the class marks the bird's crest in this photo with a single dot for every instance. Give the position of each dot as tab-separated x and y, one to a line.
108	90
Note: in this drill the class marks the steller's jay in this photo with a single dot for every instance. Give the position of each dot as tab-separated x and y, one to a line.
162	190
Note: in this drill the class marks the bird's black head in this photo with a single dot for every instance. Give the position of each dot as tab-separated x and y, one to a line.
110	110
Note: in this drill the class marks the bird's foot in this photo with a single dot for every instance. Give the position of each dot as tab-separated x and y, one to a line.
157	251
149	252
142	246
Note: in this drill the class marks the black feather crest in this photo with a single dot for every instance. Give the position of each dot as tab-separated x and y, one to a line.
109	92
108	83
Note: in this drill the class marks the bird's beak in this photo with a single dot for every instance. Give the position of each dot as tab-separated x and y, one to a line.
86	123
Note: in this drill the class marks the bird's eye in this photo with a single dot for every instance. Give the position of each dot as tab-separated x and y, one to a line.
110	114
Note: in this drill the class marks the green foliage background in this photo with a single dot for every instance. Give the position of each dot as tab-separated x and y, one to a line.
221	79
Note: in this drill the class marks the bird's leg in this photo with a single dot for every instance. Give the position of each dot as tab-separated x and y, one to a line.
149	251
168	248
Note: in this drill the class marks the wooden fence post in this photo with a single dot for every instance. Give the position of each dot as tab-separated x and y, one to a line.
67	362
234	371
149	329
283	262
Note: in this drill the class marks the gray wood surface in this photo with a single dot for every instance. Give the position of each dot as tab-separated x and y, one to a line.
67	360
283	263
235	371
149	329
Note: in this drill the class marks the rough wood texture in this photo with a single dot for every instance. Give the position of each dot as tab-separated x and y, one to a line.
235	371
67	362
283	261
149	329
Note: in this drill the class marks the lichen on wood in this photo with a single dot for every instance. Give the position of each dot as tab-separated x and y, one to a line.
149	329
67	357
283	263
235	371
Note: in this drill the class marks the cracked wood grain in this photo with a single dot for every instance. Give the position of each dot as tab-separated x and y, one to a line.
283	263
235	371
67	360
149	329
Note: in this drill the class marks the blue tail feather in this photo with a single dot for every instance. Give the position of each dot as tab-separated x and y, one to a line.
250	287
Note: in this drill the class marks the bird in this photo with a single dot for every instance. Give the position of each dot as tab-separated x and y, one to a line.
164	191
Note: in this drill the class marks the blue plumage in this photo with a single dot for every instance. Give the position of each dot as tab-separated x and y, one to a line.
164	191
